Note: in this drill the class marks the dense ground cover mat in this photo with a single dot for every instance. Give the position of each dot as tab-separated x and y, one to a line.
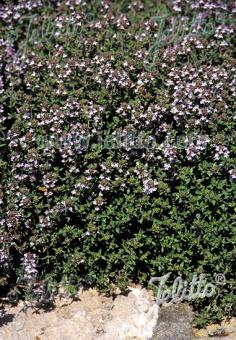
117	144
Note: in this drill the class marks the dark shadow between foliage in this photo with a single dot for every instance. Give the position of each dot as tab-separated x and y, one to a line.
6	318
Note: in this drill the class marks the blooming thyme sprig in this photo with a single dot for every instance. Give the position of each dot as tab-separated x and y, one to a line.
30	267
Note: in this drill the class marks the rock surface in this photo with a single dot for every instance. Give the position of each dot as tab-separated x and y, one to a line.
96	317
174	323
131	316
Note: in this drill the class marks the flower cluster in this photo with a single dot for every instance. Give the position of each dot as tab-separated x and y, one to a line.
204	5
30	268
193	148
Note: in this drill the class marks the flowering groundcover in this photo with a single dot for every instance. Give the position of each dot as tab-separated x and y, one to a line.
117	144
